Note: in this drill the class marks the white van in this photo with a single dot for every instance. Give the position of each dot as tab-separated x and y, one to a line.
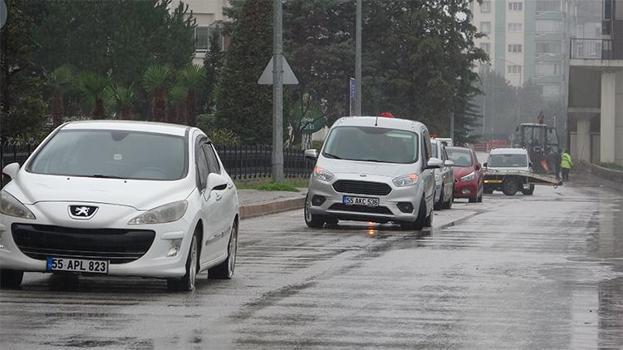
373	169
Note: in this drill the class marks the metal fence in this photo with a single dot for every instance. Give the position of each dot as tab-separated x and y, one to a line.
596	49
240	161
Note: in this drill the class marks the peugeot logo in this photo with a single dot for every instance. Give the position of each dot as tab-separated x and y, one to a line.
82	211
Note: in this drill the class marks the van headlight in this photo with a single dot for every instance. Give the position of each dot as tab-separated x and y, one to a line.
323	175
468	177
10	206
407	180
162	214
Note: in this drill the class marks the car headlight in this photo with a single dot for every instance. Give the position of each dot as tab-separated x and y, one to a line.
407	180
468	177
323	175
162	214
10	206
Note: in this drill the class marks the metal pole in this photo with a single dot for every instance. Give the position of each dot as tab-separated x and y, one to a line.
452	126
278	175
358	59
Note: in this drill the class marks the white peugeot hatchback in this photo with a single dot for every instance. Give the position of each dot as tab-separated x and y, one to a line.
373	169
120	198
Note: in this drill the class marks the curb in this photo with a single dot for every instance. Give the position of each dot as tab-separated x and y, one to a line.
255	210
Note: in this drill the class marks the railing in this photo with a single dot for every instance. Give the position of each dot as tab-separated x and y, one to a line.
240	161
596	49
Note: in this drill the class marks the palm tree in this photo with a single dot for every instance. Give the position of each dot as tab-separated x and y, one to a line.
60	81
177	97
93	85
124	98
155	81
192	77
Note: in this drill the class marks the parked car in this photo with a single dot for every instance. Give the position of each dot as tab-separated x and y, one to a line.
444	178
373	169
121	199
509	170
468	174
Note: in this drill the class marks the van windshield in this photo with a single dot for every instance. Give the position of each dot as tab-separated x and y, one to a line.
372	144
507	161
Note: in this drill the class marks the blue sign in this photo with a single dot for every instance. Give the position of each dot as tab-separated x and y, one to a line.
353	88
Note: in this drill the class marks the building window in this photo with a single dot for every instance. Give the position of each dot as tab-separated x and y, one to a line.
548	47
548	26
485	7
202	38
513	69
486	47
515	6
548	6
514	48
485	27
548	69
515	27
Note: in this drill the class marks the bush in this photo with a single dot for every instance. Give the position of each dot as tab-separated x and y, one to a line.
223	137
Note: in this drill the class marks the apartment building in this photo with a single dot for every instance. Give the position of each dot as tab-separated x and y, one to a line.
207	13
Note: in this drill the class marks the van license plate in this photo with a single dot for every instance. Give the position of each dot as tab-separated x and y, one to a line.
77	265
365	201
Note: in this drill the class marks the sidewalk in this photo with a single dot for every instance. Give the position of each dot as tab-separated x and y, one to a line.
257	203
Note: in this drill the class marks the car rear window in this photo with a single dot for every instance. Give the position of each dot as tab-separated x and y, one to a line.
461	158
507	161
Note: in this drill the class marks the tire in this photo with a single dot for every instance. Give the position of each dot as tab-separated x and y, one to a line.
429	219
11	279
225	270
311	220
510	187
473	199
448	204
439	205
187	282
488	190
528	192
420	221
479	198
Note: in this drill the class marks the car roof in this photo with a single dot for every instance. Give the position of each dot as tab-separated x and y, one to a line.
382	122
128	125
508	151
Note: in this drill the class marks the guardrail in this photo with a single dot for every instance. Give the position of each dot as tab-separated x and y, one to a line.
596	49
240	161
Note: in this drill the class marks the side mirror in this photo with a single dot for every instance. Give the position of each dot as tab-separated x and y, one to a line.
477	167
311	153
434	163
216	182
448	163
485	164
11	170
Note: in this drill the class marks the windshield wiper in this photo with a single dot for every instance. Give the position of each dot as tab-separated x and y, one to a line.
100	176
333	156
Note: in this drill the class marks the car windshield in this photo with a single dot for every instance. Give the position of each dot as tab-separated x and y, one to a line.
372	144
507	161
112	154
461	158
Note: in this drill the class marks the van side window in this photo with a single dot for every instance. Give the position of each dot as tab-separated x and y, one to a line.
201	164
213	164
427	149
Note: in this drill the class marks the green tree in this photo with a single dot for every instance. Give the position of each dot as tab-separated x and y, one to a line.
123	100
192	78
156	81
177	104
59	81
243	106
92	86
212	64
21	81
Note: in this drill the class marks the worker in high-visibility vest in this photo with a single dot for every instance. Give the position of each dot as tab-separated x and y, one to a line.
565	165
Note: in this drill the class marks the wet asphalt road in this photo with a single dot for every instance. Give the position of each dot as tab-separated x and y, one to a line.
540	272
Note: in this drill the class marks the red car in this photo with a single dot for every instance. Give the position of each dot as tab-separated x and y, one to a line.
468	174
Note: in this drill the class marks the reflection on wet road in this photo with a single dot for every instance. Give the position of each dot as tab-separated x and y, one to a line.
524	272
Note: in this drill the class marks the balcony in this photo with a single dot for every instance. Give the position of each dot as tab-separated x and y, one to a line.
596	49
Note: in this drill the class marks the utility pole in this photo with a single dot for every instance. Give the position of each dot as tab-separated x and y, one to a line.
277	172
358	59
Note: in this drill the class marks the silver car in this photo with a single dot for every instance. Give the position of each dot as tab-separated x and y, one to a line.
373	169
444	178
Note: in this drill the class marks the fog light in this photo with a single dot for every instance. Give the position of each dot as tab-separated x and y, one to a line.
175	247
405	207
466	191
318	200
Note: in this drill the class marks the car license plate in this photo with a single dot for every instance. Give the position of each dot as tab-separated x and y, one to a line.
365	201
77	265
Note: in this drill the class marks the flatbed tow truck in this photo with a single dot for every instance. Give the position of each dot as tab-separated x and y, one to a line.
535	153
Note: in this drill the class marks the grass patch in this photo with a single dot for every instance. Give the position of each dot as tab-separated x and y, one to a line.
290	185
613	166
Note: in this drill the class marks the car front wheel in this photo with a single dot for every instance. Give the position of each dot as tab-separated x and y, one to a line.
311	220
225	270
187	283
